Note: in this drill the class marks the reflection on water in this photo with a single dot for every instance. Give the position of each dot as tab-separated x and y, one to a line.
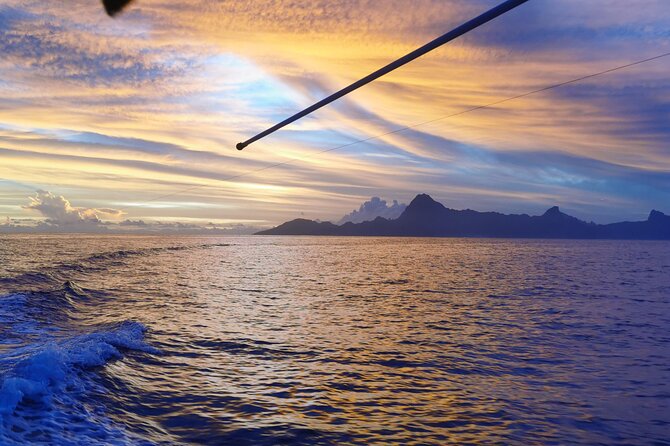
262	340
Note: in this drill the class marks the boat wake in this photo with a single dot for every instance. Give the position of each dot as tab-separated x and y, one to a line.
46	386
52	357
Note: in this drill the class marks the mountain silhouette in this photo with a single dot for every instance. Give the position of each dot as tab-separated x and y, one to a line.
425	217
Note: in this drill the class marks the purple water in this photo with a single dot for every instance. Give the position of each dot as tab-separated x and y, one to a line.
308	341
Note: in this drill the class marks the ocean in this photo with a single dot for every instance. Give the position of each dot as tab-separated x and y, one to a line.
123	340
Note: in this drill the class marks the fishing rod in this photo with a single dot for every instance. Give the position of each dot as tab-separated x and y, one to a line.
419	124
430	46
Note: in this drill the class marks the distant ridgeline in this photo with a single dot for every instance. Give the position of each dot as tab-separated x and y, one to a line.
425	217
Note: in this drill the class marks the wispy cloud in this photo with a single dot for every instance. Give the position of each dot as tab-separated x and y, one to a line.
152	103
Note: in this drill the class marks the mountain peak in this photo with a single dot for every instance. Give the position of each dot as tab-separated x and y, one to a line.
552	211
655	215
423	200
422	204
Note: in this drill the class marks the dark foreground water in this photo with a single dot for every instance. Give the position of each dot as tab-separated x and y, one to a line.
272	341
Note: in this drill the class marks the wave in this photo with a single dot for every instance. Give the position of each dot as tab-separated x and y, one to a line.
113	255
31	279
249	347
20	311
71	288
59	273
10	304
44	382
50	391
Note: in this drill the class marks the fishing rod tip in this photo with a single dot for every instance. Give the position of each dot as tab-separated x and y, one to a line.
240	145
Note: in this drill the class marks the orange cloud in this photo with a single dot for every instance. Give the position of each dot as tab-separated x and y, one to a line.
172	86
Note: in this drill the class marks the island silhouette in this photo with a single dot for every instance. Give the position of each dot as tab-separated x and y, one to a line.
425	217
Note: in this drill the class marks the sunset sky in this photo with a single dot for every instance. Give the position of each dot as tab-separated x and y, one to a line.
137	117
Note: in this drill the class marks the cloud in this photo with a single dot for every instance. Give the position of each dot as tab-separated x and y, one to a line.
142	227
134	223
61	216
152	103
138	227
373	208
60	213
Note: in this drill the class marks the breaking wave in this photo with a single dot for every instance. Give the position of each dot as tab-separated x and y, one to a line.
51	357
49	381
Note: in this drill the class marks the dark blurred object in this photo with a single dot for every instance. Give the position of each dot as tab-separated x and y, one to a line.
114	6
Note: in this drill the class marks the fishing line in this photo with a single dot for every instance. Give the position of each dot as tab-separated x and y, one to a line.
412	126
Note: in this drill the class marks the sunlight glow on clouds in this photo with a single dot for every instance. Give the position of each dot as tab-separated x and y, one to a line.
59	212
152	103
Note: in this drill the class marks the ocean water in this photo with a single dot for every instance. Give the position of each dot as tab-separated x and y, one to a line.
320	341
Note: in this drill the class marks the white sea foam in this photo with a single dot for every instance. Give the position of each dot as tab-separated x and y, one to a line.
52	374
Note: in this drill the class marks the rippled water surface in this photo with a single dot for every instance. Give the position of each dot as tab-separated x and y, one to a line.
268	341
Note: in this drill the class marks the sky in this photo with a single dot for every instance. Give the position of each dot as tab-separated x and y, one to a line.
135	119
